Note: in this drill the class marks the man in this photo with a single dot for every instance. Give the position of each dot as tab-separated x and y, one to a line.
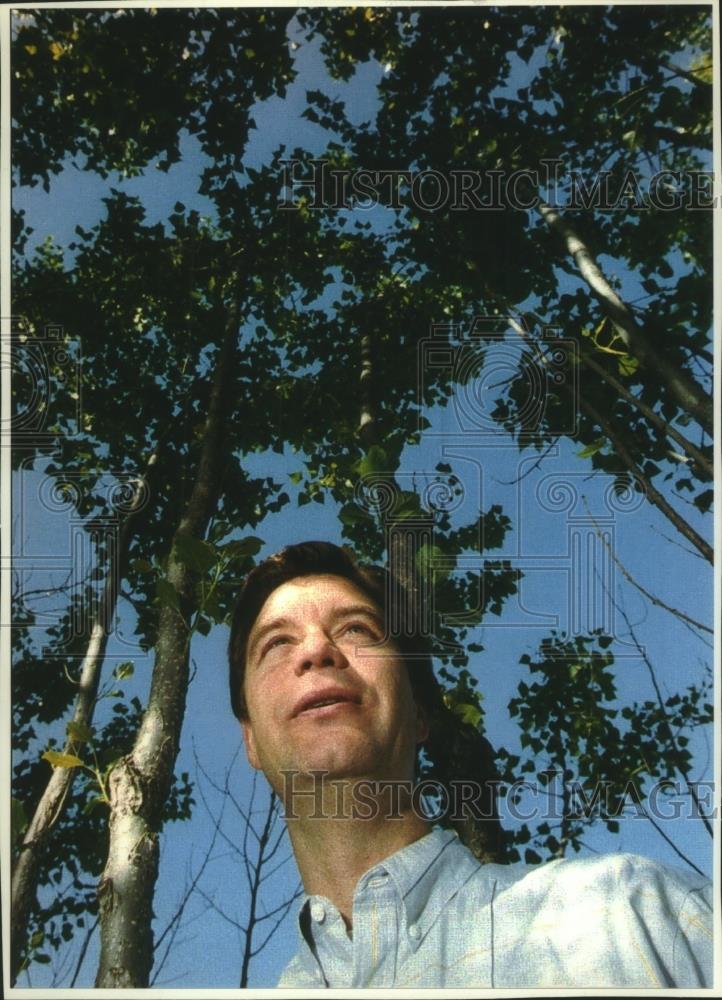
333	712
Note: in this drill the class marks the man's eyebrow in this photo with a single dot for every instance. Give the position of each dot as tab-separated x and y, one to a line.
360	609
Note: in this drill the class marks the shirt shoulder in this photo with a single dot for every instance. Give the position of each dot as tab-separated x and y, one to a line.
630	873
633	909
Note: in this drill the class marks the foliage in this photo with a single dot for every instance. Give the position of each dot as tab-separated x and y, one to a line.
116	92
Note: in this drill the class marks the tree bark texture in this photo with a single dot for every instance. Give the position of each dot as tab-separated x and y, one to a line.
704	465
140	783
688	393
52	802
651	493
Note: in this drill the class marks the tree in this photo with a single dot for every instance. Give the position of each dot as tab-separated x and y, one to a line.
450	102
304	298
264	836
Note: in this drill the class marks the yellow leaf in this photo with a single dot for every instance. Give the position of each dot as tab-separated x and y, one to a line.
62	759
31	49
56	50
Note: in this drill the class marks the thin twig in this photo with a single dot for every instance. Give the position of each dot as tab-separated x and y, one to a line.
650	597
83	950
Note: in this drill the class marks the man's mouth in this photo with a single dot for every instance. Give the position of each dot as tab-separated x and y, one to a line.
324	699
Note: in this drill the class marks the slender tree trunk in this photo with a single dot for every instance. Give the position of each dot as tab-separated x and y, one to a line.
688	393
140	783
704	465
652	494
367	424
52	802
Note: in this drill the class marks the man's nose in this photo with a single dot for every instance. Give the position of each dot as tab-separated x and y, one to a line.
319	651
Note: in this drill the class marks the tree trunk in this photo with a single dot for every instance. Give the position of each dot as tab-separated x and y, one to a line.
140	783
704	465
689	395
367	423
652	494
52	802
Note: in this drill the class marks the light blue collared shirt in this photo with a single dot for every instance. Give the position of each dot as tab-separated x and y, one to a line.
432	916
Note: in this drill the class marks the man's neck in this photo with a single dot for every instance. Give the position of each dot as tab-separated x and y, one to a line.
333	853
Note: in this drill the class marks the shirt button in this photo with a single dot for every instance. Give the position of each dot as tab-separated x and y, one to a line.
318	912
414	932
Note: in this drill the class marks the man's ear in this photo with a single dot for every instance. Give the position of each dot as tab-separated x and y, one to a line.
250	744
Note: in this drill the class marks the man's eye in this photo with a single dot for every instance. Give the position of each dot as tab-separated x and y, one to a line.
279	640
359	628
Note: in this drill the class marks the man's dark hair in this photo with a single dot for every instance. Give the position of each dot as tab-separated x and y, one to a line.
315	559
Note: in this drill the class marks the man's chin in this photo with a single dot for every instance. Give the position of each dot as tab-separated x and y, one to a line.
321	774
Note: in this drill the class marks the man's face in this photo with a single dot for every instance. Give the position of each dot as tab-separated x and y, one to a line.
322	694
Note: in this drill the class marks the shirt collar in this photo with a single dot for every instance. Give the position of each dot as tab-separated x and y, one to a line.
426	875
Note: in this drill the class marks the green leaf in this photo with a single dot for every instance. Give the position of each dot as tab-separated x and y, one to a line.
124	670
18	820
37	939
703	502
374	461
295	477
352	514
249	546
78	732
202	625
426	557
592	449
213	608
62	759
469	714
91	804
628	365
408	506
195	553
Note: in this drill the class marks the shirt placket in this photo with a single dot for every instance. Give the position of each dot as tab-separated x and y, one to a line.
375	932
332	944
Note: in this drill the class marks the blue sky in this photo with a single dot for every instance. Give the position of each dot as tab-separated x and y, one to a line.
487	466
